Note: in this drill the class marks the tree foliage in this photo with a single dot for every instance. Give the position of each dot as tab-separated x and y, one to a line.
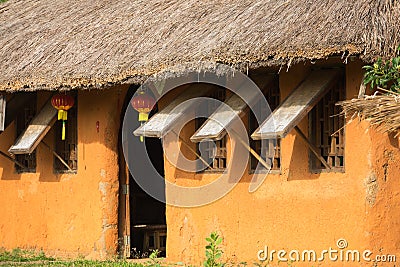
384	74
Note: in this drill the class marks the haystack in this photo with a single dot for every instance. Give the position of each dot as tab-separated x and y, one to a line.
381	110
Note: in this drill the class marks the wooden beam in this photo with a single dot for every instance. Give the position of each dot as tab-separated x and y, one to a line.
57	156
2	112
313	149
361	92
252	151
191	149
13	160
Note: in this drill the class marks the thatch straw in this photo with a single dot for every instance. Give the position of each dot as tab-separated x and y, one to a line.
49	44
382	111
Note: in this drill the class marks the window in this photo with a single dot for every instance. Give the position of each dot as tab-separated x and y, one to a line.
67	149
268	149
327	129
24	117
213	152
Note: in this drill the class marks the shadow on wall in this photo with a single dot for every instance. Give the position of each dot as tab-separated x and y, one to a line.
299	162
394	141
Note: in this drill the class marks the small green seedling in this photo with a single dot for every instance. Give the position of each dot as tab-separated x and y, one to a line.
213	251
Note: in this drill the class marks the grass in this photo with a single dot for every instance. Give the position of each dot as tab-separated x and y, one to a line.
30	258
19	255
78	263
75	263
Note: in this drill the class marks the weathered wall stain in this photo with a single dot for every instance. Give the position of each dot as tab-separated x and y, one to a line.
371	185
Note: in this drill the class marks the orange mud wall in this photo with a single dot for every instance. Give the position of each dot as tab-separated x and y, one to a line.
67	215
297	209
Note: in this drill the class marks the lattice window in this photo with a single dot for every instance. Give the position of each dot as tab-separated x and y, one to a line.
327	129
67	148
214	152
268	149
22	121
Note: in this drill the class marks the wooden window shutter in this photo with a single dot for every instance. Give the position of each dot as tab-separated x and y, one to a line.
214	127
36	130
297	105
160	123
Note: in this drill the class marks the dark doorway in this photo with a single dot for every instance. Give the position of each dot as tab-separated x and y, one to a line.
144	215
148	224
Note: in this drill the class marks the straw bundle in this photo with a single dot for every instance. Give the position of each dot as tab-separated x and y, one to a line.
382	111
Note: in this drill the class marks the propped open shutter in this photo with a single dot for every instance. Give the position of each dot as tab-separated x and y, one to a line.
2	112
214	127
36	130
296	106
160	123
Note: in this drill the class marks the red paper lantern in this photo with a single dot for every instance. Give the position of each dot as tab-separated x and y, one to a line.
143	103
62	102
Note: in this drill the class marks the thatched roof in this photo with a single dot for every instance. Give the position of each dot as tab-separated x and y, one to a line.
68	44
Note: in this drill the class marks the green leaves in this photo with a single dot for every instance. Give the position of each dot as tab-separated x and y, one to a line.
213	251
153	259
385	75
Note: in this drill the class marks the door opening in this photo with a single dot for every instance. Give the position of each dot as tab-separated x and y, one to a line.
142	217
148	224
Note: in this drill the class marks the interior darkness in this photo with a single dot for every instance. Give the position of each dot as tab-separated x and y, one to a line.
145	211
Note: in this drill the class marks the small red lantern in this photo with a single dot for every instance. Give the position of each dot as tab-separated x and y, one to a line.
143	103
62	102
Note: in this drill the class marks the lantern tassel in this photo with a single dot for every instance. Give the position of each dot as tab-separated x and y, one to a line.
62	115
141	137
143	116
63	131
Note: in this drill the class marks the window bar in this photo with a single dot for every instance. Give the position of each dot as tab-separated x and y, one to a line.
57	156
13	160
312	148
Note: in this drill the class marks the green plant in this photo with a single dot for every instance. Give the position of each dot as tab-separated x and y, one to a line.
262	264
213	251
384	74
153	259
